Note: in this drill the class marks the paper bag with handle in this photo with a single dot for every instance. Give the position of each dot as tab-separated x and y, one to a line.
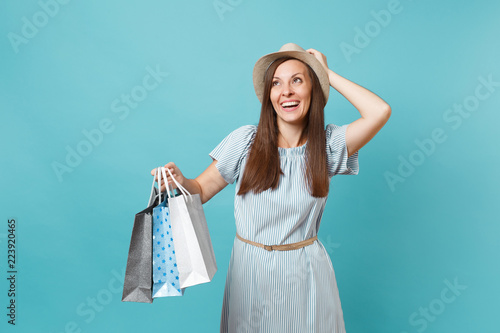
193	246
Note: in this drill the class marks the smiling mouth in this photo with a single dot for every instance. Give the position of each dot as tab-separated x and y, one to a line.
290	105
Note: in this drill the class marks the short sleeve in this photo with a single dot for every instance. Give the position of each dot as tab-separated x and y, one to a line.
336	152
231	151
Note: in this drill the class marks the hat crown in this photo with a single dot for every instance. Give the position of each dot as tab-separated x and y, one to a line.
291	47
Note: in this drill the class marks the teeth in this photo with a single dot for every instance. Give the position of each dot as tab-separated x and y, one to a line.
287	104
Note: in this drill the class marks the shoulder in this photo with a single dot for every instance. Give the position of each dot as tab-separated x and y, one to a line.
331	128
335	132
242	134
236	142
232	150
245	130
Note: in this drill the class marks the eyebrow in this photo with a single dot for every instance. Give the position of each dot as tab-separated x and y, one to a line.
277	77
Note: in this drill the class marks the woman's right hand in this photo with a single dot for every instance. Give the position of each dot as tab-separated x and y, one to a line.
208	184
176	172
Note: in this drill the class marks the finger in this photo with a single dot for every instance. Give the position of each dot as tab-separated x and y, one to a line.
170	165
171	182
315	53
172	185
153	173
172	171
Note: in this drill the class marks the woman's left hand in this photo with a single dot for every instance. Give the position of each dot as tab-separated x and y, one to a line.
320	56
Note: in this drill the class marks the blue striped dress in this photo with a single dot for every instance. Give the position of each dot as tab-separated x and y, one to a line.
280	291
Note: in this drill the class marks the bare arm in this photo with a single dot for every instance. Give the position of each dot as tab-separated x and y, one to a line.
375	112
207	184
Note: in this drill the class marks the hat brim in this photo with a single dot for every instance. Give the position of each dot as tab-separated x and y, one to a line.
264	62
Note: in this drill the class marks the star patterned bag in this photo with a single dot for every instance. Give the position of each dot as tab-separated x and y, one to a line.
165	271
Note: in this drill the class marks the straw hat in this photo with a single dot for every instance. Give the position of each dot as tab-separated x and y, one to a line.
292	50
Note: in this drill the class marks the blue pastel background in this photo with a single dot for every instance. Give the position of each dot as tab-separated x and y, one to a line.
397	238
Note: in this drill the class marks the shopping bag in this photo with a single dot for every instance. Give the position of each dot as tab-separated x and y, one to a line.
165	272
138	283
193	246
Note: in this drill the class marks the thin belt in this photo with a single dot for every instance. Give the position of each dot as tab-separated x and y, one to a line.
284	247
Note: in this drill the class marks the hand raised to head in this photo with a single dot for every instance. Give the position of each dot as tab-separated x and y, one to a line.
320	56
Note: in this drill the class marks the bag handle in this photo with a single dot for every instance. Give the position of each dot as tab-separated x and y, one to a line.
159	184
161	171
151	196
179	186
168	187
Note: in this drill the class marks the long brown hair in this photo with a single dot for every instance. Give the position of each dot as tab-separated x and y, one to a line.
262	170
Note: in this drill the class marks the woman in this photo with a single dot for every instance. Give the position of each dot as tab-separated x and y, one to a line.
280	277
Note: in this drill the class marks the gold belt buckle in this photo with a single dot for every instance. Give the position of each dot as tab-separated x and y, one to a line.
268	247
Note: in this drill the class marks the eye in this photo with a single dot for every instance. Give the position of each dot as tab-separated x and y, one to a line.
275	83
297	79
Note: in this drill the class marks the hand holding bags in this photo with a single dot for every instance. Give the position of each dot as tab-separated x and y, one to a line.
193	246
138	282
170	247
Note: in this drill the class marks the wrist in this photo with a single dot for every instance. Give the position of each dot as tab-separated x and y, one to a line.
332	77
182	181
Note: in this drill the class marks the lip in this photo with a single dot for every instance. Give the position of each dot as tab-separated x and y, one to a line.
290	109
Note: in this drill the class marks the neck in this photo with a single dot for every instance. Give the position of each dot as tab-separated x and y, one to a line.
290	136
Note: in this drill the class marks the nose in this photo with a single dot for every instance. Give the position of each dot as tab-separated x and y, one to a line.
287	90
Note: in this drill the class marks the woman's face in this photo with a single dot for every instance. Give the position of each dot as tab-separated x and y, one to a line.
291	92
